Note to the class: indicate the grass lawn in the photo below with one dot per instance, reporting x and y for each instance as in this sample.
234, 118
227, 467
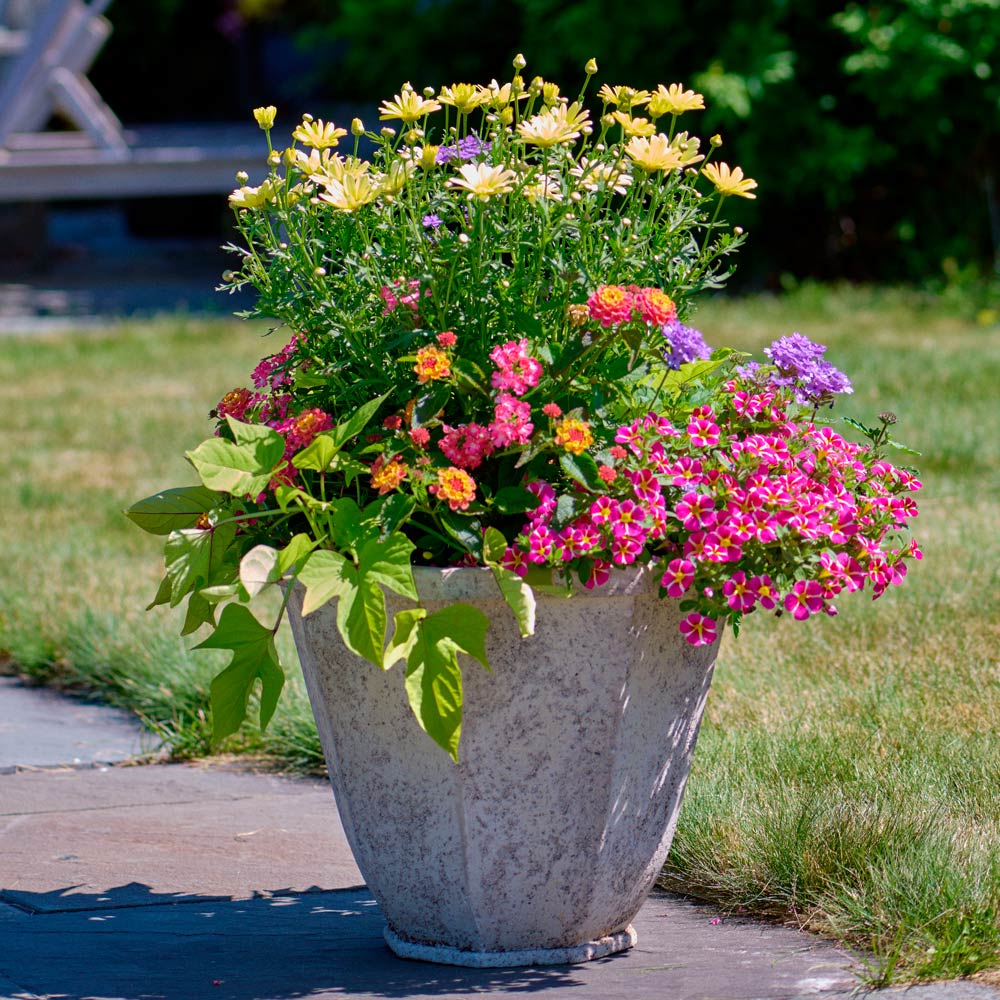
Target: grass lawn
848, 773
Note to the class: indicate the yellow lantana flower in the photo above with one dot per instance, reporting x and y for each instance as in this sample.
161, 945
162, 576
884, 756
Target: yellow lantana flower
654, 154
674, 100
728, 181
484, 180
634, 126
407, 105
625, 98
464, 97
554, 126
319, 134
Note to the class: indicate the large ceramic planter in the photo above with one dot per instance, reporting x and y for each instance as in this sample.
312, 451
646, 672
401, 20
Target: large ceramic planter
543, 842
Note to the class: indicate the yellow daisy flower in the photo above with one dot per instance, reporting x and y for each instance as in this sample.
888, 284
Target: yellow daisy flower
674, 100
728, 181
501, 97
464, 97
554, 126
252, 197
653, 154
407, 105
484, 180
353, 192
593, 175
625, 98
395, 180
634, 126
265, 116
687, 146
543, 188
319, 134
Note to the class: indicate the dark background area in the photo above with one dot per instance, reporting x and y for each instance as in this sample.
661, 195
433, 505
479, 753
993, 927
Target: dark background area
872, 129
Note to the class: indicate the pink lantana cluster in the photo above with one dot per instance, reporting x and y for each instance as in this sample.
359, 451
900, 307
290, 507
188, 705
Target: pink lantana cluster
401, 295
744, 507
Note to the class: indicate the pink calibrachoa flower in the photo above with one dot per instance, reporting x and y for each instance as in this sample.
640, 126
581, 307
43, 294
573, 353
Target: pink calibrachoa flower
764, 591
513, 559
517, 371
625, 548
583, 536
684, 471
704, 432
546, 501
610, 305
699, 630
466, 445
654, 306
738, 592
626, 518
805, 599
678, 577
632, 436
645, 485
511, 423
603, 510
456, 486
696, 510
541, 542
600, 573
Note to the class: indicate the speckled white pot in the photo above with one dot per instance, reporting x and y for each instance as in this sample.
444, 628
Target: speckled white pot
543, 842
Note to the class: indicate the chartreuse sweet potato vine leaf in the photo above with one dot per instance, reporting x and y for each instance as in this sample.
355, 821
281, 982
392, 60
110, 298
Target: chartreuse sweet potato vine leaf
254, 658
195, 558
516, 591
263, 565
243, 467
361, 614
430, 645
172, 510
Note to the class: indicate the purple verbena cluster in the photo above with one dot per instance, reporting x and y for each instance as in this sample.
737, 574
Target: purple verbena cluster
801, 365
684, 344
466, 149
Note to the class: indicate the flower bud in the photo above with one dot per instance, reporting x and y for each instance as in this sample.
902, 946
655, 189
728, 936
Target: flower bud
265, 116
274, 158
242, 177
357, 127
388, 133
307, 118
519, 62
506, 116
591, 68
290, 156
228, 275
320, 272
716, 141
429, 92
550, 93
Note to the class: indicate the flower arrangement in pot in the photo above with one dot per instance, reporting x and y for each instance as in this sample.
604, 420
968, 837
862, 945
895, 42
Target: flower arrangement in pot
492, 437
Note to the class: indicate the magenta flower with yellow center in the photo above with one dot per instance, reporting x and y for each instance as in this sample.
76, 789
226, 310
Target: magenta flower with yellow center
728, 181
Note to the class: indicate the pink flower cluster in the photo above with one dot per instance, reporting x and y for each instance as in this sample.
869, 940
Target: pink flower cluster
467, 445
272, 372
744, 508
401, 295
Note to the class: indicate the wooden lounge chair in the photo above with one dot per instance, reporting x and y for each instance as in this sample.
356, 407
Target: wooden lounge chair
48, 77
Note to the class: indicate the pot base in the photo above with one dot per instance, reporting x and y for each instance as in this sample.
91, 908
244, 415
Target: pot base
445, 955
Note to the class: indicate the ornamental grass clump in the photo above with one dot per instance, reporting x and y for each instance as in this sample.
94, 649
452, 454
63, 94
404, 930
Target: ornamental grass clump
489, 364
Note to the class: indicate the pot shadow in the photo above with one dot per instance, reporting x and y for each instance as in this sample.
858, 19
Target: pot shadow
132, 943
